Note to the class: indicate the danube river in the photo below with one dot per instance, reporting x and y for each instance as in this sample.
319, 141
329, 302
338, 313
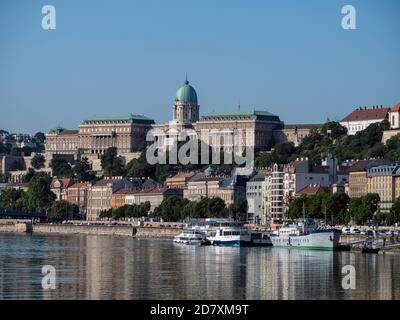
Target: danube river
101, 267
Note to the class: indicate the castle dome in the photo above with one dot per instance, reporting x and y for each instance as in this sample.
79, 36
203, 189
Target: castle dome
186, 94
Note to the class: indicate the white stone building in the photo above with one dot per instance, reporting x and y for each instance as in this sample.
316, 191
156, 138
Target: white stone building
361, 118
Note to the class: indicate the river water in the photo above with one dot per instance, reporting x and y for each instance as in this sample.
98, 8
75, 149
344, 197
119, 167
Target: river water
101, 267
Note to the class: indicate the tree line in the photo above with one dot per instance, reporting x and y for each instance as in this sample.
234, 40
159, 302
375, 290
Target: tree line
332, 139
338, 208
175, 209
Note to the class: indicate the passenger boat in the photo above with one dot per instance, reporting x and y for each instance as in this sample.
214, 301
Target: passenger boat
306, 235
260, 240
191, 237
227, 232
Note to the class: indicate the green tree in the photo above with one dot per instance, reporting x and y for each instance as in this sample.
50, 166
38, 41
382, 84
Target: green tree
61, 168
39, 138
295, 210
394, 216
38, 161
333, 129
239, 209
111, 164
39, 197
363, 209
105, 214
63, 210
9, 198
171, 209
82, 170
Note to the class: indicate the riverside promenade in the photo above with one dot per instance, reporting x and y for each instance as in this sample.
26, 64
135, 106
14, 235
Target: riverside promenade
26, 226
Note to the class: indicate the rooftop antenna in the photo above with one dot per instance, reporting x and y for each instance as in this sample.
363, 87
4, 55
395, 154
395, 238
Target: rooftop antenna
239, 105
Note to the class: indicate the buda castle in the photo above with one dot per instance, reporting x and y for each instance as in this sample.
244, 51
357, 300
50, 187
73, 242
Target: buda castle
260, 129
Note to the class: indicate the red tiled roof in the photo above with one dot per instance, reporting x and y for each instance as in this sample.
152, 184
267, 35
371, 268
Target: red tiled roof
367, 114
396, 108
311, 189
65, 183
182, 175
126, 191
78, 185
104, 182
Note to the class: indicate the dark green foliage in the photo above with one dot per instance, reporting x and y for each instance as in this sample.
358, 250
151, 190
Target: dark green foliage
332, 140
333, 207
238, 210
63, 210
105, 214
282, 153
132, 211
82, 170
38, 197
38, 161
61, 168
394, 215
111, 163
9, 198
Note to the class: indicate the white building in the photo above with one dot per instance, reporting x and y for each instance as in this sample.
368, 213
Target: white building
361, 118
394, 117
272, 192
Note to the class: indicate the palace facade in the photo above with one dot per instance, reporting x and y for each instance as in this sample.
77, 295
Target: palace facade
258, 129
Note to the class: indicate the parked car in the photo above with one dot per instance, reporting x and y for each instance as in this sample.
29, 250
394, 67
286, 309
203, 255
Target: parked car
354, 230
346, 230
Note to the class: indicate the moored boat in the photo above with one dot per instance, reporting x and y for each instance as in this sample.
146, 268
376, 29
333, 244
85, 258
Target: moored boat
261, 240
306, 235
227, 232
191, 237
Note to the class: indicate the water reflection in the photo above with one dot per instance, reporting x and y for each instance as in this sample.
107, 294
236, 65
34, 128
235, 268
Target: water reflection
98, 267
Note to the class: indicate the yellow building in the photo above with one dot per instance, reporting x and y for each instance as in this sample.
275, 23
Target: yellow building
383, 180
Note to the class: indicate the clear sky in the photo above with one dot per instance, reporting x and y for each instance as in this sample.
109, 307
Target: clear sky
290, 57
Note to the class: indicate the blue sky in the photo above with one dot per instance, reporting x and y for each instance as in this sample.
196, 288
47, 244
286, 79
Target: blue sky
289, 57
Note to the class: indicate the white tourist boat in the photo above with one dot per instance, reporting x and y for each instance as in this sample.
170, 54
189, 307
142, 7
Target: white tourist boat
191, 237
261, 240
306, 235
226, 232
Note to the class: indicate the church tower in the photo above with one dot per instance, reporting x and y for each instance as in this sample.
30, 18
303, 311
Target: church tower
186, 108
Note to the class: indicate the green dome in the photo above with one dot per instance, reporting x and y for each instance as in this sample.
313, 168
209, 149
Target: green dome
186, 94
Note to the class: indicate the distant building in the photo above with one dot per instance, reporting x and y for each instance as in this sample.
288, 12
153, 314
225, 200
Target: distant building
394, 119
358, 180
297, 132
385, 181
311, 190
257, 128
154, 196
77, 194
254, 195
100, 195
60, 188
179, 180
61, 141
303, 172
361, 118
273, 196
97, 134
211, 184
